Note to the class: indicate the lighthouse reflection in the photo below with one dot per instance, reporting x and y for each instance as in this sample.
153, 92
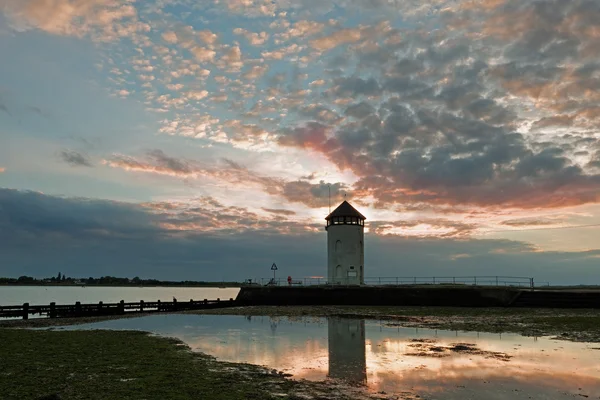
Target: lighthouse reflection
347, 359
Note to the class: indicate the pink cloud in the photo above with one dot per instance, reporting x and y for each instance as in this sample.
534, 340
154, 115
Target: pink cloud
103, 19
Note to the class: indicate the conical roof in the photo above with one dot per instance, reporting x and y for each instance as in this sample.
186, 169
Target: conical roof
345, 210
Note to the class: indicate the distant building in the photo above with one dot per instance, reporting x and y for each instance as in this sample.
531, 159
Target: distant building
345, 246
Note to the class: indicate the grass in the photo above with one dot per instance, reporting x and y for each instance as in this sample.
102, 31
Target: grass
120, 365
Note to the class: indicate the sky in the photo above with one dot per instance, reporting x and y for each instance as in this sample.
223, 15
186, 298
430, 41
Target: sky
181, 139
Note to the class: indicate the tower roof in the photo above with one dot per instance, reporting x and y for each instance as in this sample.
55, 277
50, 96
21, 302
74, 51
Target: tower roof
345, 210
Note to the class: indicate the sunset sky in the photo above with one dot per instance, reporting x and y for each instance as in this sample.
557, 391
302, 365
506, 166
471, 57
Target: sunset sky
184, 139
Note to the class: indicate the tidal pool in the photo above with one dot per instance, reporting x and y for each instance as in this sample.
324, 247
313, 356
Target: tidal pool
432, 363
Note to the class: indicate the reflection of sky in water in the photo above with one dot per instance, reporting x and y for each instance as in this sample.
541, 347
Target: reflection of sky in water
314, 348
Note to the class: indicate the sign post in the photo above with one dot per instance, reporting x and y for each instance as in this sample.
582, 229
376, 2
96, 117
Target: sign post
274, 268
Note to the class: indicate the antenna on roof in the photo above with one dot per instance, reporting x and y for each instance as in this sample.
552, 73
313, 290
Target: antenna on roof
329, 185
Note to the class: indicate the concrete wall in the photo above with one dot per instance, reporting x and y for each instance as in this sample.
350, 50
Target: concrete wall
345, 254
378, 295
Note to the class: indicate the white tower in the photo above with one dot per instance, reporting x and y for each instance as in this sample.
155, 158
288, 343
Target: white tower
345, 246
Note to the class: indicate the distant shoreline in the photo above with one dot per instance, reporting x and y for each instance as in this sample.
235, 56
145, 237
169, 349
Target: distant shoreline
228, 285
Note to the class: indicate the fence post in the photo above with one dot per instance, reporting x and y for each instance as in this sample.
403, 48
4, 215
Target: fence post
25, 310
531, 282
380, 280
218, 299
496, 281
99, 307
174, 304
231, 300
454, 280
78, 308
205, 301
158, 306
122, 307
475, 280
53, 310
434, 280
141, 305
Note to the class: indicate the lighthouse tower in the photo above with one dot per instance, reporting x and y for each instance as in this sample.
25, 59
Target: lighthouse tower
345, 246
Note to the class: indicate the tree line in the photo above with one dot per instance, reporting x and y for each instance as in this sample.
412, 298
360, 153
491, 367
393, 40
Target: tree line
62, 279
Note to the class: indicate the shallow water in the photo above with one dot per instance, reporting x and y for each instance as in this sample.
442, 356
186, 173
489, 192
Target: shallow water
41, 295
390, 359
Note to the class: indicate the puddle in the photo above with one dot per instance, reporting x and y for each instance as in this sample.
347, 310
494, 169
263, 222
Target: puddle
432, 363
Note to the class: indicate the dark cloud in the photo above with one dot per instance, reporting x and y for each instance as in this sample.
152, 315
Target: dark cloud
353, 86
360, 110
279, 211
75, 159
525, 222
169, 163
440, 120
313, 195
41, 234
5, 109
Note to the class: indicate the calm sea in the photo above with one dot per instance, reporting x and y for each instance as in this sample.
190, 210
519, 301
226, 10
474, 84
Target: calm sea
34, 295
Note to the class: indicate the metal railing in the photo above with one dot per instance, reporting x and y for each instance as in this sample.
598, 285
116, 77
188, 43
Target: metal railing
517, 281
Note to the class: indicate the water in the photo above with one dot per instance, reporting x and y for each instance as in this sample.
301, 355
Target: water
390, 359
40, 295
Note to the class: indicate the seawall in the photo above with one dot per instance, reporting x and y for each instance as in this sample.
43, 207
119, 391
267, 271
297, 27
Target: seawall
377, 296
448, 296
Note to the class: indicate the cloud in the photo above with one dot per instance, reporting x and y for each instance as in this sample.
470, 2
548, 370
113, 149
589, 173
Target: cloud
158, 163
434, 124
205, 240
5, 109
104, 20
255, 39
75, 158
449, 107
169, 37
279, 211
255, 72
423, 228
298, 191
337, 38
530, 222
310, 194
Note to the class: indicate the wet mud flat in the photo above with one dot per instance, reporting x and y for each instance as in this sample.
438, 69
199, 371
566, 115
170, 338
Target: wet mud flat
135, 365
390, 354
371, 357
430, 348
